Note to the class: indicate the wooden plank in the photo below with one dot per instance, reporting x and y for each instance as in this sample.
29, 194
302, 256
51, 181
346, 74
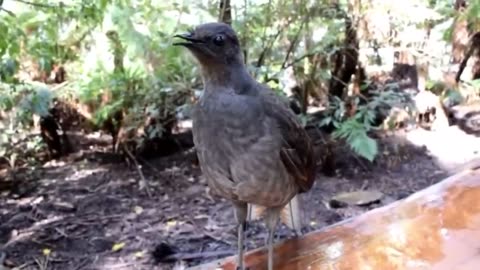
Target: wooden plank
436, 228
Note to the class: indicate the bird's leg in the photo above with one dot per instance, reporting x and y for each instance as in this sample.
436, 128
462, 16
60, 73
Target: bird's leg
241, 237
241, 217
271, 220
271, 234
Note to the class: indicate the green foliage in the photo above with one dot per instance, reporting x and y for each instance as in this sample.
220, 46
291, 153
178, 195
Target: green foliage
154, 72
475, 84
473, 11
119, 57
355, 133
20, 103
355, 129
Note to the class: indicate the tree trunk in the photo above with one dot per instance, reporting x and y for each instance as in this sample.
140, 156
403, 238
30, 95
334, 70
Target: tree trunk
473, 49
225, 12
405, 71
54, 134
460, 32
345, 60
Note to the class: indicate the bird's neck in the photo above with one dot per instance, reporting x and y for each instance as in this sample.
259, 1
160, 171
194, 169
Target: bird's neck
233, 76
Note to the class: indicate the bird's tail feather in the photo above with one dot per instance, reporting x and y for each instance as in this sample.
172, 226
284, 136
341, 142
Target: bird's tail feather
291, 215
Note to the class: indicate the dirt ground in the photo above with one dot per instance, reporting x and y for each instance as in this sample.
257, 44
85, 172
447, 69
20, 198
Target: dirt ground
89, 211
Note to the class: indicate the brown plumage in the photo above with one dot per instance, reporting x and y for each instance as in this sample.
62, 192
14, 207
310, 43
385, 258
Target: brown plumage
251, 147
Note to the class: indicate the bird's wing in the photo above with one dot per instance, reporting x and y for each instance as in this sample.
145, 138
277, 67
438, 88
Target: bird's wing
297, 150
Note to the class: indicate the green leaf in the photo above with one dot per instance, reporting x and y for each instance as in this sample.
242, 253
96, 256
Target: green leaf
475, 83
325, 121
365, 146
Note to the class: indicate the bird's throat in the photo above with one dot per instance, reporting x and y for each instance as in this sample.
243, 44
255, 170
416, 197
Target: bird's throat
233, 77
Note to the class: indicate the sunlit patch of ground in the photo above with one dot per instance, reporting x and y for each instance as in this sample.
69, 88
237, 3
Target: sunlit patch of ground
450, 146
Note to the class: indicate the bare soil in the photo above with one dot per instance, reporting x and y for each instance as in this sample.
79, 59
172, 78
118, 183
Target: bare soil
89, 211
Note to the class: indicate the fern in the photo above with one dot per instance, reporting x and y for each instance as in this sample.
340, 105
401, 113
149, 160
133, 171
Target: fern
356, 128
355, 134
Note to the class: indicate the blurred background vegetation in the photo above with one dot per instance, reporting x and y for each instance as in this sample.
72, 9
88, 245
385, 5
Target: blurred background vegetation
75, 68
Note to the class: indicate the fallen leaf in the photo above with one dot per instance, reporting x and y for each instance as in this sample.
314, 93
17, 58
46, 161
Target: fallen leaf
139, 254
185, 229
171, 223
46, 252
63, 206
138, 210
117, 246
363, 197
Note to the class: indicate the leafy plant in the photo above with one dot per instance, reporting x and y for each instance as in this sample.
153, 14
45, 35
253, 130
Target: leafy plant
20, 103
158, 81
355, 129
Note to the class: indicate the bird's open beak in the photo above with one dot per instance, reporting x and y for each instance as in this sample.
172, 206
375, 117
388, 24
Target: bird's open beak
187, 37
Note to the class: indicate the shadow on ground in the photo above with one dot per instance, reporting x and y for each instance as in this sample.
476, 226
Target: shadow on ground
470, 123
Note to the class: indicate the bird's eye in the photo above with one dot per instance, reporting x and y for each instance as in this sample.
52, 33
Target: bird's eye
219, 40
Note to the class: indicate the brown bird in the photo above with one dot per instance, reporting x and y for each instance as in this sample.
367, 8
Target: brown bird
251, 147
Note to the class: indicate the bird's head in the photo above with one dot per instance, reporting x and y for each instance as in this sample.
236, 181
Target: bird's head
213, 44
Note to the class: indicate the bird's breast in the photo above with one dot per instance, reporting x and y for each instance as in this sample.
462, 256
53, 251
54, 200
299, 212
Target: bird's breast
228, 121
238, 149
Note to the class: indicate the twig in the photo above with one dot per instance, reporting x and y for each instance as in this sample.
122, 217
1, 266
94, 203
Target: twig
60, 86
143, 181
144, 161
27, 232
264, 37
463, 64
245, 33
293, 43
25, 265
82, 264
301, 58
36, 4
218, 239
206, 233
94, 219
199, 255
261, 59
292, 63
42, 264
123, 265
61, 232
8, 11
3, 256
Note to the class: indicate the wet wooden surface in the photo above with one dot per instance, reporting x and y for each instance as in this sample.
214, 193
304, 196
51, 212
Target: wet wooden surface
436, 228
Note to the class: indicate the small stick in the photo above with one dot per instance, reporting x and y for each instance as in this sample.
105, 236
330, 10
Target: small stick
199, 255
143, 181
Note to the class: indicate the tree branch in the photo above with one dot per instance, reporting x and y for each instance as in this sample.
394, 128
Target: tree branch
264, 38
473, 45
261, 58
35, 4
292, 63
293, 43
8, 11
